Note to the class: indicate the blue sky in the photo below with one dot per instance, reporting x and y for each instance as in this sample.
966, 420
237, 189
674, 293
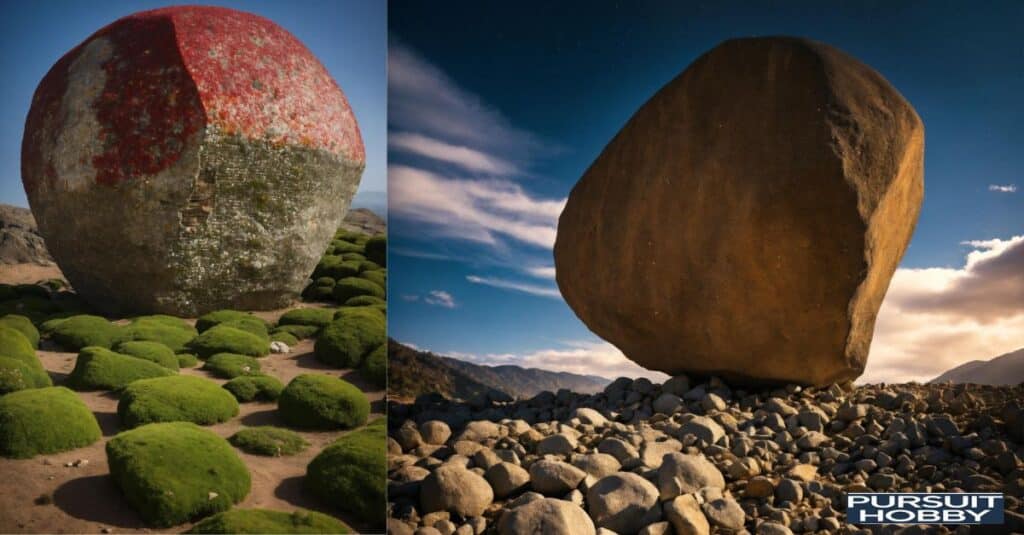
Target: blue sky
496, 110
349, 37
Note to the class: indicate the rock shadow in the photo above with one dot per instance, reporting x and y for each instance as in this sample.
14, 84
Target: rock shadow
291, 490
110, 423
308, 360
96, 499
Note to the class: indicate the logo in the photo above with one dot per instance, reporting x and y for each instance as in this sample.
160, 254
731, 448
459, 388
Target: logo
924, 508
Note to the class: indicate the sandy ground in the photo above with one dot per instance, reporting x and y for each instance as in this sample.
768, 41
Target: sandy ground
42, 495
28, 273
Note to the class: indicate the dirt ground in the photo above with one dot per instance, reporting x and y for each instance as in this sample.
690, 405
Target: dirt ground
43, 495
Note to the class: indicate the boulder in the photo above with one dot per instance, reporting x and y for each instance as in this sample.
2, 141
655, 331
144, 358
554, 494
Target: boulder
205, 149
623, 502
681, 473
747, 218
546, 515
457, 490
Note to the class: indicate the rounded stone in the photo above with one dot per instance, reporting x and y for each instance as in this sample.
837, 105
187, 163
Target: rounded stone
681, 474
623, 502
507, 479
546, 515
205, 149
770, 190
456, 490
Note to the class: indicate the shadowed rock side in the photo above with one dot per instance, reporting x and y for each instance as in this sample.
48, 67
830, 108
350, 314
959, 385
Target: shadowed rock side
1005, 369
20, 242
747, 219
412, 373
699, 458
174, 167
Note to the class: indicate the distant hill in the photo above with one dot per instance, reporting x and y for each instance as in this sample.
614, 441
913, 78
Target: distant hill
412, 372
1005, 369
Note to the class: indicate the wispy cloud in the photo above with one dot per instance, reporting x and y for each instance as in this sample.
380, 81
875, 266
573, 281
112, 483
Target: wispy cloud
1007, 188
440, 298
532, 289
473, 210
461, 156
410, 297
933, 319
583, 357
541, 272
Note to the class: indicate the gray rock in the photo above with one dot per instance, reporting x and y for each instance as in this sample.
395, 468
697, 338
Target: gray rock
455, 489
623, 502
618, 448
590, 416
667, 403
479, 431
681, 474
652, 453
546, 516
554, 478
678, 385
597, 465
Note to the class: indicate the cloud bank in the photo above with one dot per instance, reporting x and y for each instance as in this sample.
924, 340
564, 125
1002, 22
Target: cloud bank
581, 357
1008, 188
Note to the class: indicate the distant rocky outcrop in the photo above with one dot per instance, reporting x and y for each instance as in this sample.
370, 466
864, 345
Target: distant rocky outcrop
365, 221
20, 242
1005, 369
747, 219
412, 373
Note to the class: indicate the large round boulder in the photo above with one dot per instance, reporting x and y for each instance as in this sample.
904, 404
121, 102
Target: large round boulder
747, 219
204, 156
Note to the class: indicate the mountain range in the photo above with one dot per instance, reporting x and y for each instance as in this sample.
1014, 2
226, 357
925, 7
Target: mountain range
1005, 369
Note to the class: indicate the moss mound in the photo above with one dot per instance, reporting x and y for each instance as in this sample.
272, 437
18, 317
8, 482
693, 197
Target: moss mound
377, 250
212, 319
187, 360
84, 330
316, 317
268, 440
316, 401
336, 267
299, 331
266, 521
350, 287
44, 420
151, 351
378, 277
181, 398
176, 471
23, 325
364, 301
284, 336
98, 368
342, 246
349, 339
225, 339
351, 474
252, 325
230, 365
320, 290
17, 375
375, 367
13, 344
255, 387
170, 331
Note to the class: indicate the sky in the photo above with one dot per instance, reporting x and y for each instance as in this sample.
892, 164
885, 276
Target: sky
495, 111
348, 36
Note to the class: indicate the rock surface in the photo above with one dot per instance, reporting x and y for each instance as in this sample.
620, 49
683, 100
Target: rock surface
760, 476
748, 218
187, 159
20, 242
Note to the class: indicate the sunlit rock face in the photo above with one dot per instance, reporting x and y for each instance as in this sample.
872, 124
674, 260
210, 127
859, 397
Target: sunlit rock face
189, 158
747, 219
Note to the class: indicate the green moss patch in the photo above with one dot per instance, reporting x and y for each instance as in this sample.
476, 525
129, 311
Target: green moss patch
13, 344
299, 331
18, 375
229, 365
364, 301
170, 331
98, 368
225, 339
176, 471
375, 367
212, 319
181, 398
350, 287
284, 336
255, 387
349, 339
268, 440
252, 325
315, 401
151, 351
316, 317
377, 250
336, 267
23, 325
84, 330
378, 277
351, 474
246, 521
187, 360
44, 420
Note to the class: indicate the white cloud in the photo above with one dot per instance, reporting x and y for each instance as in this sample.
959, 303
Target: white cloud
440, 298
532, 289
542, 272
464, 157
473, 210
1008, 188
934, 319
581, 357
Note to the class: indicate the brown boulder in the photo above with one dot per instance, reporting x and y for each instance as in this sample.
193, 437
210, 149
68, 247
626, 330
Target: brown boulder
747, 219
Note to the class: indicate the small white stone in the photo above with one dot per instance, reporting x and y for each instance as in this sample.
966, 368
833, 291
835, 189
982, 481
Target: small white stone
279, 347
212, 495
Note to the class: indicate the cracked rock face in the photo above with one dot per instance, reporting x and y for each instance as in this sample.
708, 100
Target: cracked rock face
747, 219
191, 158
